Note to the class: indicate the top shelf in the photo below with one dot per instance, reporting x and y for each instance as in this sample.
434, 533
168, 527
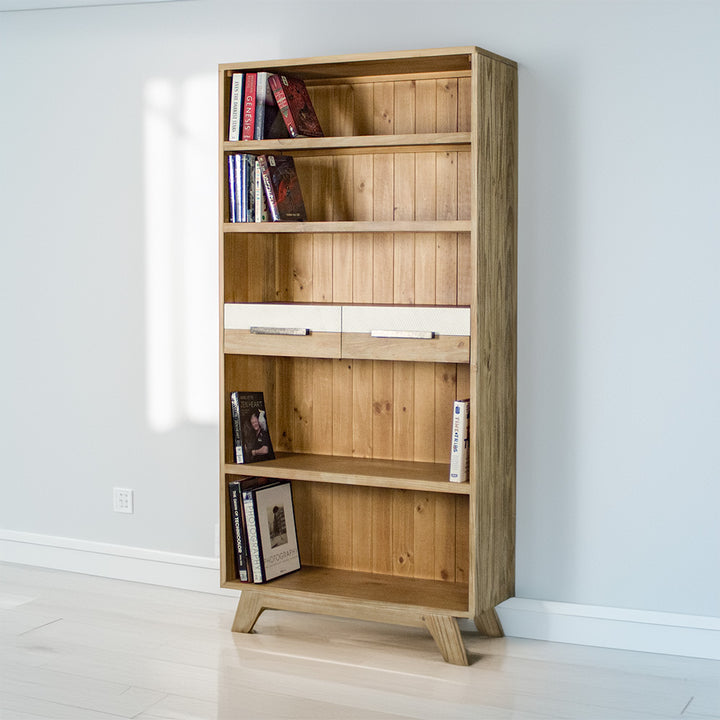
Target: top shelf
415, 142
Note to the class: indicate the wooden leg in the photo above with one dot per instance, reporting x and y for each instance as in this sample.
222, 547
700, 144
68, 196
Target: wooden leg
488, 623
446, 633
248, 611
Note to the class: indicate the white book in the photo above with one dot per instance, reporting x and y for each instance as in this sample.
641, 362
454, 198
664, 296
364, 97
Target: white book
235, 120
460, 446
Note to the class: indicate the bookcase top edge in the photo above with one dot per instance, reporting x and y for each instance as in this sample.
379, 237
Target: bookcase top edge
371, 63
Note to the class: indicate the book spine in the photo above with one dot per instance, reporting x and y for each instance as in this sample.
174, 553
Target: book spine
269, 192
249, 95
460, 449
237, 427
261, 88
253, 536
261, 208
250, 187
281, 99
238, 531
242, 188
232, 188
236, 93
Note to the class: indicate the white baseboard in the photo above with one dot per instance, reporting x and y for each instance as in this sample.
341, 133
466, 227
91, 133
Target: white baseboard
640, 630
155, 567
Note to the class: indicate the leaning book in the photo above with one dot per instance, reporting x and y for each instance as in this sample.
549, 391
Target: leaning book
251, 433
272, 536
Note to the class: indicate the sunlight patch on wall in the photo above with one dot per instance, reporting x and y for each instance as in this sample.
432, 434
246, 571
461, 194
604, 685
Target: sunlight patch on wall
181, 251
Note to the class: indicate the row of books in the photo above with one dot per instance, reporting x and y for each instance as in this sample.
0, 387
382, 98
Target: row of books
264, 533
264, 188
268, 105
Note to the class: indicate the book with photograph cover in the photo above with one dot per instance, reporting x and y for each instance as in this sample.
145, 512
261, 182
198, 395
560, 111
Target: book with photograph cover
251, 434
282, 188
295, 105
460, 444
272, 535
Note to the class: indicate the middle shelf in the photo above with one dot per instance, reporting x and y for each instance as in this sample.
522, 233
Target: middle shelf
368, 472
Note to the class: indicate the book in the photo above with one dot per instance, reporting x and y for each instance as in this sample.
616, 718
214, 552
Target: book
232, 190
251, 435
460, 445
236, 94
248, 120
295, 105
282, 188
269, 123
262, 213
242, 558
272, 535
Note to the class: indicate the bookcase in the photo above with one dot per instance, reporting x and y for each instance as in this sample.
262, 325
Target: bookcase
411, 199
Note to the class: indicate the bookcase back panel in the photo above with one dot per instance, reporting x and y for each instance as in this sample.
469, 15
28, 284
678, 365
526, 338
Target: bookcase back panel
378, 106
380, 268
389, 532
353, 408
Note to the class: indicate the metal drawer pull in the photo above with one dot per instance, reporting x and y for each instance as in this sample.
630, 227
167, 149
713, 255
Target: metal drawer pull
404, 334
279, 331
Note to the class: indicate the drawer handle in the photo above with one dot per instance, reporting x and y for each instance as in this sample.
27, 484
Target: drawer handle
279, 331
403, 334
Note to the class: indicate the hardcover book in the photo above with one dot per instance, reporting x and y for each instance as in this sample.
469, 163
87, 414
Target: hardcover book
295, 105
269, 123
236, 104
251, 435
282, 188
460, 447
240, 544
248, 122
272, 536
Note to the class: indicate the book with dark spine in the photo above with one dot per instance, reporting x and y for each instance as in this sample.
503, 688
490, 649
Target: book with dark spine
251, 435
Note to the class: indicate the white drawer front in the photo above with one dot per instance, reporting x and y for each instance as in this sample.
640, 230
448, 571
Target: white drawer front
377, 319
269, 316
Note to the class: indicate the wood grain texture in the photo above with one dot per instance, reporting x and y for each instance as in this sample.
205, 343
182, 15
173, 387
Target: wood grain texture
411, 200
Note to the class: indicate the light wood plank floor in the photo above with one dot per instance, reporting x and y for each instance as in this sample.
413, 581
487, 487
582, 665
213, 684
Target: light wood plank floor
76, 647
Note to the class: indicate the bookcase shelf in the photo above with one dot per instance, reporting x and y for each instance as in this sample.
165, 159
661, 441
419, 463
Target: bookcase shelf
411, 202
378, 594
368, 226
367, 472
350, 145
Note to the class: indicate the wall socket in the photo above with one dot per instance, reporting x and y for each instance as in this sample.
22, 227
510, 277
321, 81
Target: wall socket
123, 500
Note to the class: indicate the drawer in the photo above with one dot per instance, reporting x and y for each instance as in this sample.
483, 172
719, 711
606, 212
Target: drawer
283, 330
429, 334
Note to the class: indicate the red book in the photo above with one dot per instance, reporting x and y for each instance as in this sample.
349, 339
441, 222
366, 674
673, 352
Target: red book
248, 123
282, 188
295, 106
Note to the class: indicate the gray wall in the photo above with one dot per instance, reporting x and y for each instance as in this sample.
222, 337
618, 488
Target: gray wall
109, 283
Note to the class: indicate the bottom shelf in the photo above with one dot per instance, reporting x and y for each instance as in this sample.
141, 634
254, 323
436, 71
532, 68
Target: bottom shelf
332, 586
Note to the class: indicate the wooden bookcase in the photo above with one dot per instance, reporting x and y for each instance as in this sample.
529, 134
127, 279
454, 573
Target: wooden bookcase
411, 201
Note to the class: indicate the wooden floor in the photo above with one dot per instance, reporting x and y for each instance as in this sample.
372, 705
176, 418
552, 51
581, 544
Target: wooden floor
74, 646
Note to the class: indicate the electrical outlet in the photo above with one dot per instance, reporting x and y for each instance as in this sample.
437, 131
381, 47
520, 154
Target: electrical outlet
123, 500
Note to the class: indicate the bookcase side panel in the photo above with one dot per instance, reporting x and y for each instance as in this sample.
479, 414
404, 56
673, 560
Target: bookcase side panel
493, 360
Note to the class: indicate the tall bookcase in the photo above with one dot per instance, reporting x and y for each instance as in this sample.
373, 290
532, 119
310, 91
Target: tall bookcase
411, 201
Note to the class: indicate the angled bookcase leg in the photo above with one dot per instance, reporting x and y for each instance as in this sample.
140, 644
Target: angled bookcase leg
488, 624
446, 634
248, 611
